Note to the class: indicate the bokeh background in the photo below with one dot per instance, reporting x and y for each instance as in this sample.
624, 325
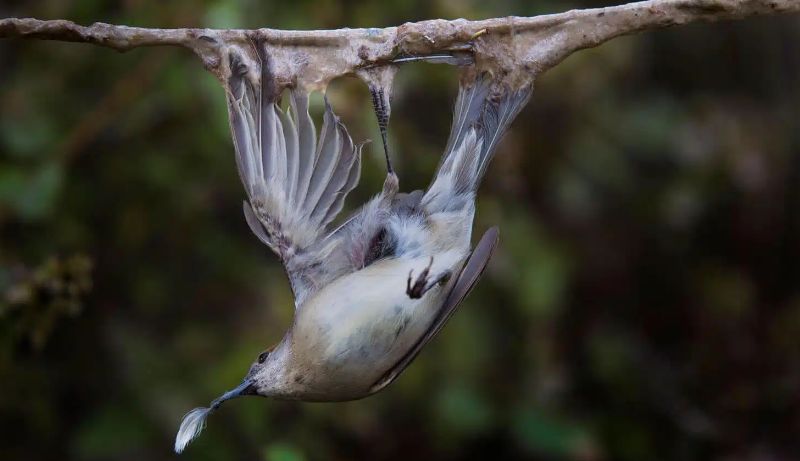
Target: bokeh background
643, 303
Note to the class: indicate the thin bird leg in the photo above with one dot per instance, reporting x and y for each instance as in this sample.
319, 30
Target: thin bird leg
382, 111
422, 284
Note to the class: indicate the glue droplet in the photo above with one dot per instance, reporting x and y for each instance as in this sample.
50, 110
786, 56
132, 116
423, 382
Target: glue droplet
191, 426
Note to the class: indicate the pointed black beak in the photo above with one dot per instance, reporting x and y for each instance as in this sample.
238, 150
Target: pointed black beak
246, 388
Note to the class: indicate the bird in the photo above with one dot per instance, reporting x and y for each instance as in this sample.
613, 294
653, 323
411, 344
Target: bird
371, 292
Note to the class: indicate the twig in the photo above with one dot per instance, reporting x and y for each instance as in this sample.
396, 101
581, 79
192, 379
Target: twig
518, 46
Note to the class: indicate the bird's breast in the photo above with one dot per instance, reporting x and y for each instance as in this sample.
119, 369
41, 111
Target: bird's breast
352, 331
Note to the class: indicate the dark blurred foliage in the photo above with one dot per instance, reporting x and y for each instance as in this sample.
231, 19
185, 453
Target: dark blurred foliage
643, 303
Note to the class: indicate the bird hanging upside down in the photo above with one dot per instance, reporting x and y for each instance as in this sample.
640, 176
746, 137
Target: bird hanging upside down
370, 294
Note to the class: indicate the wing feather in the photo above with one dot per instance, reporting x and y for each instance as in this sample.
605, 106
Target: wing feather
307, 143
292, 152
295, 184
351, 182
328, 154
465, 282
337, 179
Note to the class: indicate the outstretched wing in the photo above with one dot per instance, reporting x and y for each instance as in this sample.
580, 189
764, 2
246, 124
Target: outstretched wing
296, 184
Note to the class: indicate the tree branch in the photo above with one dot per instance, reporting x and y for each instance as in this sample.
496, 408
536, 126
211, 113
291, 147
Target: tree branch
518, 47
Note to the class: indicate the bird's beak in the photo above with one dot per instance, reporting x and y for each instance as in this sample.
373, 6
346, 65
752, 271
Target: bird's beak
246, 388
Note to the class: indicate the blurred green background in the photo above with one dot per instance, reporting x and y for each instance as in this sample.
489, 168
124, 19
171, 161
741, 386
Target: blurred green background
643, 304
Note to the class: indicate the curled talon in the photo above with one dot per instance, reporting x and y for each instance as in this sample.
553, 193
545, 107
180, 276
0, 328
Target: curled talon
428, 268
421, 284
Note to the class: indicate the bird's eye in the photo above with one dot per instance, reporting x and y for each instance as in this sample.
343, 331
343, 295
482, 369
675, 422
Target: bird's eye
262, 356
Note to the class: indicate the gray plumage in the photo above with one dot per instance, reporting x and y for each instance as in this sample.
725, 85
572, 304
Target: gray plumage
371, 293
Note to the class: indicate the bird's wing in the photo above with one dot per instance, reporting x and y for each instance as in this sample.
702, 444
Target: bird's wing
295, 183
463, 285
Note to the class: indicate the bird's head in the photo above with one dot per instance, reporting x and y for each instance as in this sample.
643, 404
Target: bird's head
266, 371
261, 379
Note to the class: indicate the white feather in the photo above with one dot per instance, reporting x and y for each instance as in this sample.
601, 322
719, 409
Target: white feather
191, 426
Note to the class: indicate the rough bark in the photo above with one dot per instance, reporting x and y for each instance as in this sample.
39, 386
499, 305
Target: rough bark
514, 49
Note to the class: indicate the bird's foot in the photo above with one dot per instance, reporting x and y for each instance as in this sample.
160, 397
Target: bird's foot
423, 284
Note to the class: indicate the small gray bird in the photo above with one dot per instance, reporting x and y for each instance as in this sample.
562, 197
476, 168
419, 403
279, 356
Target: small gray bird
372, 292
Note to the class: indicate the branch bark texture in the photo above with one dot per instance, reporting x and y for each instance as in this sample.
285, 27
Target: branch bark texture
515, 49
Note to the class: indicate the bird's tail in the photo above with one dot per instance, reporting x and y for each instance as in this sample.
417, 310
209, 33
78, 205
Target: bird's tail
483, 111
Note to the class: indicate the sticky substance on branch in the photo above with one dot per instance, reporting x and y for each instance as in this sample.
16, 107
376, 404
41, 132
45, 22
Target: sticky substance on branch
515, 49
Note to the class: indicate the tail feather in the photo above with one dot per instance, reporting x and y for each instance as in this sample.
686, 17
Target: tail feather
483, 112
468, 109
497, 117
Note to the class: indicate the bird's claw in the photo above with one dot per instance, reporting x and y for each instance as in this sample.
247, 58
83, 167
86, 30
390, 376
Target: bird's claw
422, 285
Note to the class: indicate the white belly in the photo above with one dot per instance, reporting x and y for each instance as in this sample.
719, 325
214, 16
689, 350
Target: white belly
352, 331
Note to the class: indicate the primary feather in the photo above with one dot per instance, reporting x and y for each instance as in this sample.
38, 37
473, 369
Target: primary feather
295, 186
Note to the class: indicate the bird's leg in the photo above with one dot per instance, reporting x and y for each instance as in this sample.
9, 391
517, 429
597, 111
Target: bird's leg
379, 81
380, 103
423, 284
